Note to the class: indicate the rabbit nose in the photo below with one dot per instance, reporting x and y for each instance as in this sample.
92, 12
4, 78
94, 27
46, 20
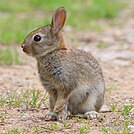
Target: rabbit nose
22, 45
24, 48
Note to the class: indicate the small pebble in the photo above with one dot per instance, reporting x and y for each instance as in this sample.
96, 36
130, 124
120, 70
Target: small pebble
131, 127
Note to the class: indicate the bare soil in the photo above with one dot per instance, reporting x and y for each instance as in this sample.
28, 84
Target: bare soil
117, 62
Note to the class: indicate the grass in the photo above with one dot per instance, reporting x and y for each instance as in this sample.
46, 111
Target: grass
38, 130
33, 98
126, 110
113, 107
3, 116
19, 18
13, 131
29, 98
101, 45
84, 129
54, 126
9, 56
126, 117
24, 99
124, 129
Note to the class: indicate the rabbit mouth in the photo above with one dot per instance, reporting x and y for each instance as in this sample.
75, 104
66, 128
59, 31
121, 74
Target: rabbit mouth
28, 53
26, 50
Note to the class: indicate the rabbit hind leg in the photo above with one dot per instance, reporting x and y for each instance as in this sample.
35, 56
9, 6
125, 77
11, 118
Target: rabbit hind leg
80, 104
92, 106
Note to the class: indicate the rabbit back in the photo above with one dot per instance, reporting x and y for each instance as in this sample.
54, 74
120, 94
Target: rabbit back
68, 69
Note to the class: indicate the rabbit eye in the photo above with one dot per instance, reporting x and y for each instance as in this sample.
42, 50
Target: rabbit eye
37, 38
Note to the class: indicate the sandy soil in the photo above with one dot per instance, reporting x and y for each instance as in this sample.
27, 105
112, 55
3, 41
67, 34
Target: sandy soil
117, 61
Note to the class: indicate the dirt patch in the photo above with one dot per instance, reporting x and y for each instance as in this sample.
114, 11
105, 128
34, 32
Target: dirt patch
114, 49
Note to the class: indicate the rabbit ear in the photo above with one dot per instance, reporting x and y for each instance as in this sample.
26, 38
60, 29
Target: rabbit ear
58, 19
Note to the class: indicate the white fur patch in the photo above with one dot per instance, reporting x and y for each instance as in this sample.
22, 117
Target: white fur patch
78, 103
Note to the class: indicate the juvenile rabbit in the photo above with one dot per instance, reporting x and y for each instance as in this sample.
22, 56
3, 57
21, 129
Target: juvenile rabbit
72, 78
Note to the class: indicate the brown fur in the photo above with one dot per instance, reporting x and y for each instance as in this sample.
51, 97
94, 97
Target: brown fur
72, 78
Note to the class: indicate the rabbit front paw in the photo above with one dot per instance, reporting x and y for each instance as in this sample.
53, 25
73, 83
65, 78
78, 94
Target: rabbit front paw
91, 115
51, 116
62, 116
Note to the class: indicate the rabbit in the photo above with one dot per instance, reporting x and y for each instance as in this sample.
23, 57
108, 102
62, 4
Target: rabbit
72, 78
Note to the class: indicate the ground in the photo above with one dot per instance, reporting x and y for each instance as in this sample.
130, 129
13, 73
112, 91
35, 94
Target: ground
23, 101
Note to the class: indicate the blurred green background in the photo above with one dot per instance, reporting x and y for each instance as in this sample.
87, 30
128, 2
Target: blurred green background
19, 17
